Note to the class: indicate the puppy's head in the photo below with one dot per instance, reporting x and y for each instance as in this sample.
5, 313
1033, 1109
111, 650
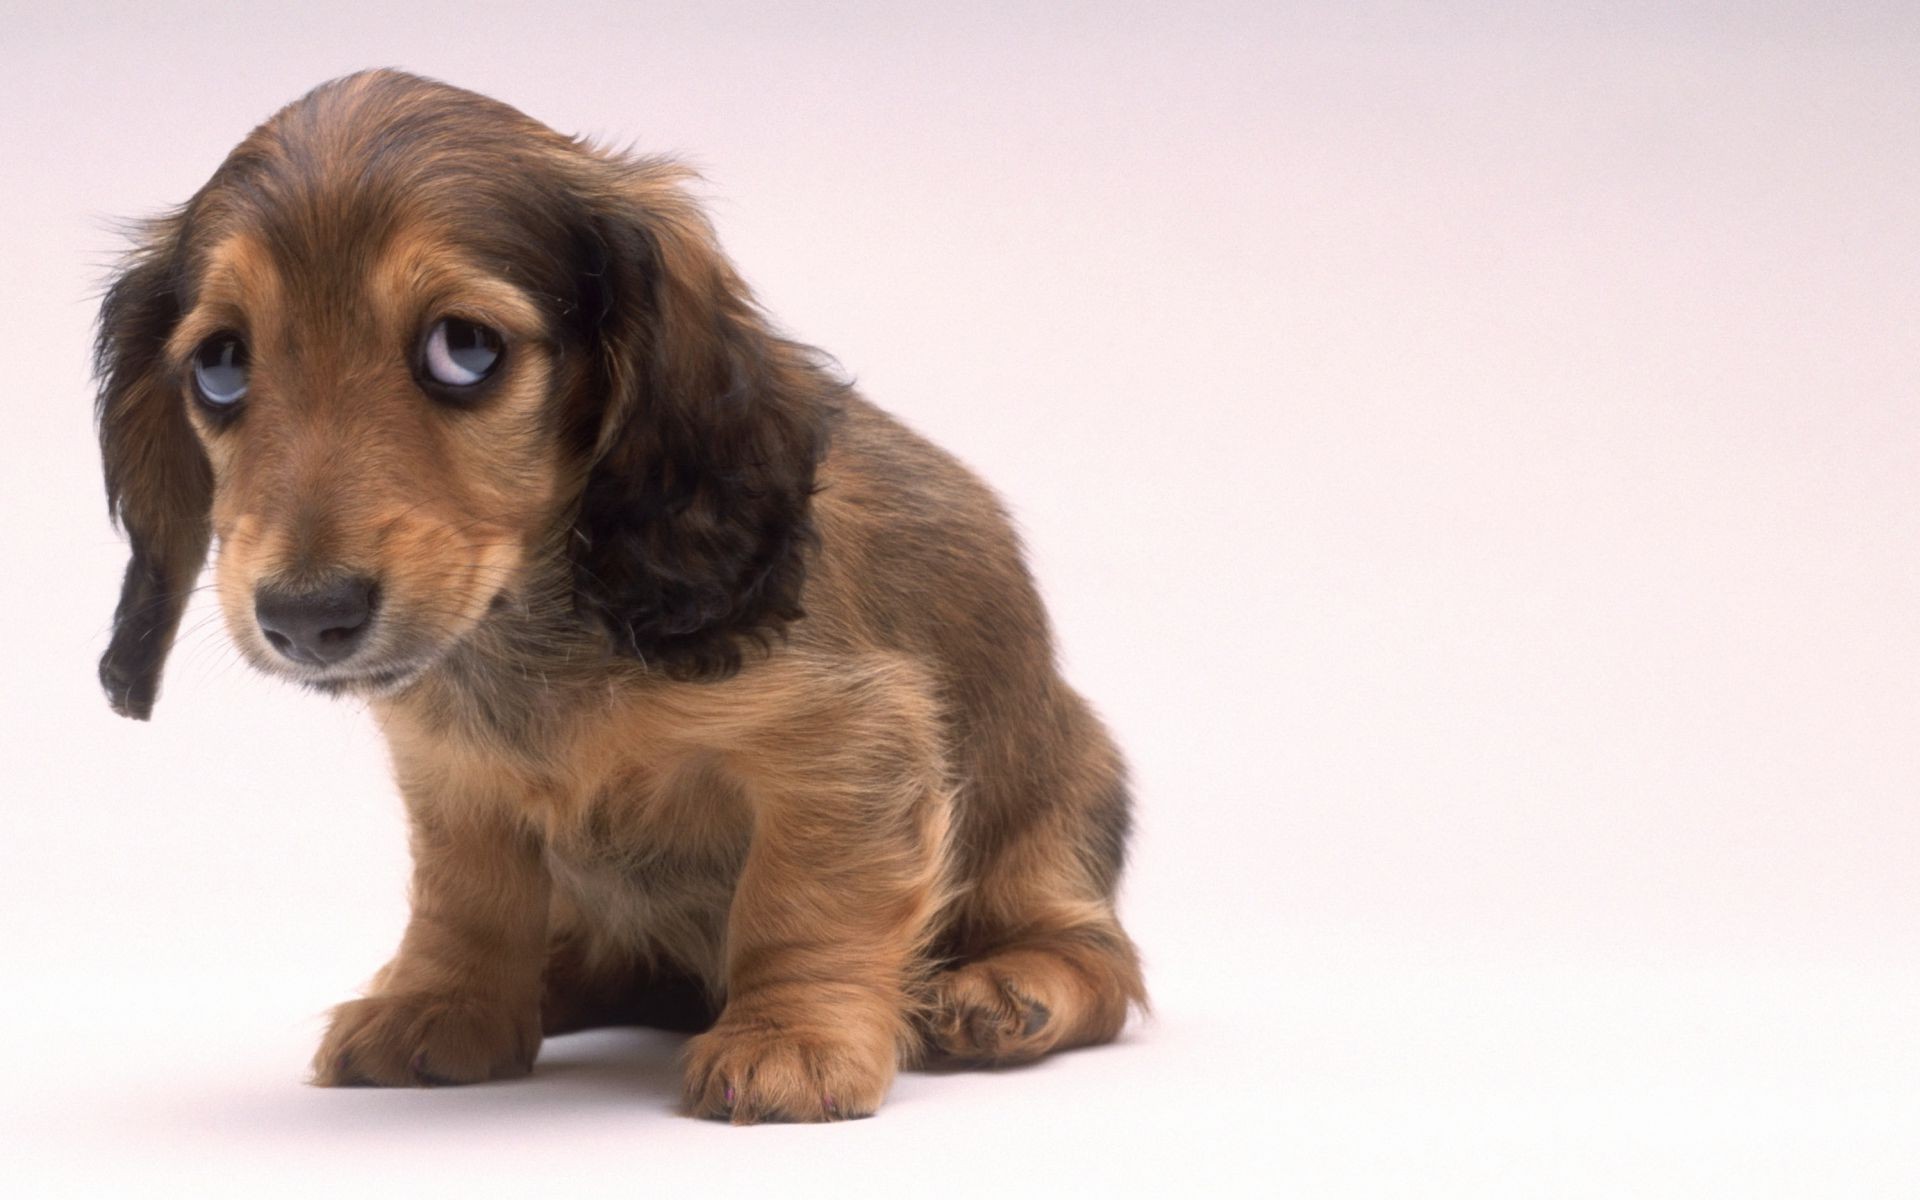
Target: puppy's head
409, 353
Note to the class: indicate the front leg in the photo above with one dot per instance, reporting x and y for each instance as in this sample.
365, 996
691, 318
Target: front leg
460, 1002
829, 921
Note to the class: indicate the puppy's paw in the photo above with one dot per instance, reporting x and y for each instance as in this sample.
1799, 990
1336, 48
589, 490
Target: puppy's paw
425, 1041
981, 1015
748, 1070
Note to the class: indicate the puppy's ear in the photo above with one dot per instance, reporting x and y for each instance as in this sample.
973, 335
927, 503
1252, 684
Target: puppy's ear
159, 486
694, 523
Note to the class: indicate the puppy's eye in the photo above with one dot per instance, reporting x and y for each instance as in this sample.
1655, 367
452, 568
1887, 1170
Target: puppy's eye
462, 353
220, 371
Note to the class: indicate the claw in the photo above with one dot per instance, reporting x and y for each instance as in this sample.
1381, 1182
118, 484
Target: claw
423, 1076
1038, 1015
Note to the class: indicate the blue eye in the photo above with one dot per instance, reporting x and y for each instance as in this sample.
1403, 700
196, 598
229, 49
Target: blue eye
220, 371
462, 353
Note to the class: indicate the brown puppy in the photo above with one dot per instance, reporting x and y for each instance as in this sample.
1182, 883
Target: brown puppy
719, 699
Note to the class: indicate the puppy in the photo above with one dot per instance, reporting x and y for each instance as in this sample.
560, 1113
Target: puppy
719, 700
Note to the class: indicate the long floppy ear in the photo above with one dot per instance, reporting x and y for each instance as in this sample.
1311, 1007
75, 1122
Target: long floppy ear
159, 486
695, 520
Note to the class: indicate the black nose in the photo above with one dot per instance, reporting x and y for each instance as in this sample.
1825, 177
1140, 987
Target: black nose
319, 625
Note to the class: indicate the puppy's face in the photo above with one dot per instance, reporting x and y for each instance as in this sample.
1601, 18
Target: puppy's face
409, 353
378, 418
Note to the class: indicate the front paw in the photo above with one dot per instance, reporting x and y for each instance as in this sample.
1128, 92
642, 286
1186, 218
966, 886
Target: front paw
425, 1040
749, 1069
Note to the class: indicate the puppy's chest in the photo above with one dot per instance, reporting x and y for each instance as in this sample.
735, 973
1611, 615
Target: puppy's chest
647, 855
643, 832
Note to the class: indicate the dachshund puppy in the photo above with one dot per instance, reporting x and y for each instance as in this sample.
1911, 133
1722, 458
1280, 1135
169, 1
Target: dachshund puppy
719, 700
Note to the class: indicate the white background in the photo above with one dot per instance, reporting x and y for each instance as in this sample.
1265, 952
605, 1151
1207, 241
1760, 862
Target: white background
1472, 461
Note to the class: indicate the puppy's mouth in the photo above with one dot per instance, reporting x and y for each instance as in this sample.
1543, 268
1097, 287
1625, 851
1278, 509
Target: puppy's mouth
376, 681
386, 668
369, 650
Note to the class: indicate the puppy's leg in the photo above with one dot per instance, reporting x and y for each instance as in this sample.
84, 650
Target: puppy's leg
1043, 963
831, 915
460, 1002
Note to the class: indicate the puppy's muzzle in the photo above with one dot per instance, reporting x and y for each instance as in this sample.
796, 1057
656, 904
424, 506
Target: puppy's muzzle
317, 626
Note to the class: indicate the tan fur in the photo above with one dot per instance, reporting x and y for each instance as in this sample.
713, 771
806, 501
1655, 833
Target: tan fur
894, 833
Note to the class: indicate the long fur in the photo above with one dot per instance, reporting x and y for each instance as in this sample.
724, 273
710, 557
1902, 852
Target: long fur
718, 699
